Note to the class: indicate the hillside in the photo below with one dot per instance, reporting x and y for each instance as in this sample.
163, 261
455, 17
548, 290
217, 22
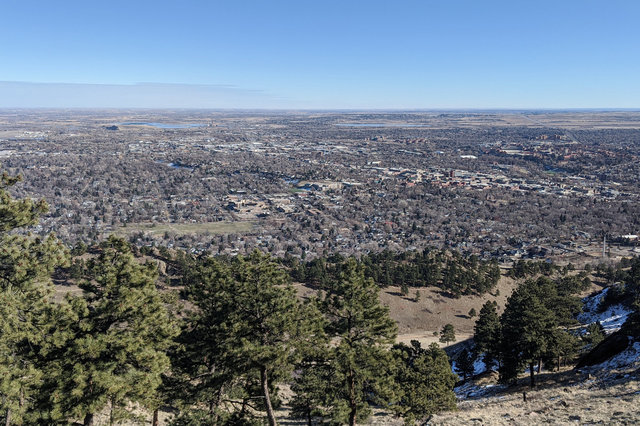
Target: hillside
419, 320
600, 392
604, 393
608, 393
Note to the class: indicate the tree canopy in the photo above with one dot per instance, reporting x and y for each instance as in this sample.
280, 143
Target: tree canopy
122, 331
26, 265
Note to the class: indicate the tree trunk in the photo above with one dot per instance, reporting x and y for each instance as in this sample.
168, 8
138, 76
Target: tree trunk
309, 417
267, 399
213, 405
111, 413
558, 362
532, 375
7, 421
352, 399
88, 419
539, 366
154, 421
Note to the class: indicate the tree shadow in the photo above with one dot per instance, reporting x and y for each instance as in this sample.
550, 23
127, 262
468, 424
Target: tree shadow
446, 294
174, 282
61, 277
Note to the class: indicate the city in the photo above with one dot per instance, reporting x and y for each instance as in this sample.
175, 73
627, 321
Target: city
496, 184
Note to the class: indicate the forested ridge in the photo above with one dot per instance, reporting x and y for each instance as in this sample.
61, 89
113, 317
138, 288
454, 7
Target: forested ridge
446, 269
126, 345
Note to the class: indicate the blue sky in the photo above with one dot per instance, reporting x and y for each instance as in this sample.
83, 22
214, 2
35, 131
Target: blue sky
320, 54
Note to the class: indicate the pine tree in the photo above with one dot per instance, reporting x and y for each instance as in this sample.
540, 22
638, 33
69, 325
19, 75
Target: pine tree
563, 345
202, 370
425, 381
247, 326
310, 388
361, 325
487, 333
531, 323
314, 373
447, 334
264, 322
26, 265
527, 328
118, 350
595, 334
404, 289
631, 326
465, 364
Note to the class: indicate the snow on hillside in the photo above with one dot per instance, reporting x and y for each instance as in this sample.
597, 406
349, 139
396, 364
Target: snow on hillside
478, 366
471, 390
625, 359
611, 319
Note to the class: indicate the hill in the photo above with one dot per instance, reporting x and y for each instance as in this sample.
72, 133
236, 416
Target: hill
607, 393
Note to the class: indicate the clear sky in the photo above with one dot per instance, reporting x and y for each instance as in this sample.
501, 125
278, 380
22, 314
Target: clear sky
390, 54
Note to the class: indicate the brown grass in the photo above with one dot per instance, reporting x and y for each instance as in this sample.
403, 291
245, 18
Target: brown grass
567, 398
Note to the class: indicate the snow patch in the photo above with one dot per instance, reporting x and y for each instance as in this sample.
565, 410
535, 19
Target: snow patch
629, 358
478, 365
611, 319
471, 390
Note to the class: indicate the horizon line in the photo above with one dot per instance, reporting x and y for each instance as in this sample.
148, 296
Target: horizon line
429, 109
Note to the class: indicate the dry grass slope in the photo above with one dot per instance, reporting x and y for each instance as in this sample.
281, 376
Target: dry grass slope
571, 397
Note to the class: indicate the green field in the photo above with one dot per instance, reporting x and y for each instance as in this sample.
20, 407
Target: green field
214, 228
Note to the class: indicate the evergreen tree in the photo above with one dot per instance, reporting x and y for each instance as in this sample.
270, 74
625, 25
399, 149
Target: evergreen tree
447, 334
311, 388
563, 345
246, 329
533, 321
361, 366
264, 322
26, 265
311, 385
464, 364
632, 285
425, 381
117, 353
404, 289
594, 335
202, 370
487, 333
528, 327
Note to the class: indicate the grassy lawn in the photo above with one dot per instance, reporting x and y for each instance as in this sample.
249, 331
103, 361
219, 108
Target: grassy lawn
215, 228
